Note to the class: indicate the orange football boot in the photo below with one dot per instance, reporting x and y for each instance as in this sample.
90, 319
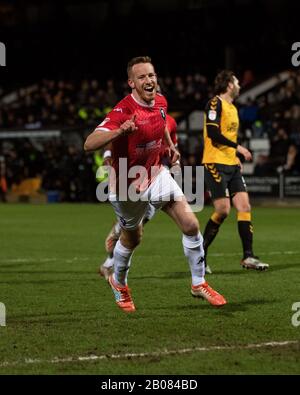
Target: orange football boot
206, 292
122, 296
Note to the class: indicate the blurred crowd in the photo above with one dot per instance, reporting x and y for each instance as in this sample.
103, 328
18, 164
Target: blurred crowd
62, 167
60, 103
275, 116
67, 104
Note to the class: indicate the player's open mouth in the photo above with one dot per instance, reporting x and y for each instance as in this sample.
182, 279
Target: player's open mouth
149, 89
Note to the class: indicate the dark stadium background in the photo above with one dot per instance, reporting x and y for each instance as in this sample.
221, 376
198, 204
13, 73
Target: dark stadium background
69, 57
96, 38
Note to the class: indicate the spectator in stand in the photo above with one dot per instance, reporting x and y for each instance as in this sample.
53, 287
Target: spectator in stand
292, 164
261, 167
248, 114
279, 149
247, 79
51, 103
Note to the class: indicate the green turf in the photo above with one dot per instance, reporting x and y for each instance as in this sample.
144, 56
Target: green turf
57, 306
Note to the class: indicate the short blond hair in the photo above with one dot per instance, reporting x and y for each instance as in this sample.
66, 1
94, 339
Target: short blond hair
137, 60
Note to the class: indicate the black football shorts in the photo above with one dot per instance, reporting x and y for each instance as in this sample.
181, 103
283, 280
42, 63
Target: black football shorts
223, 180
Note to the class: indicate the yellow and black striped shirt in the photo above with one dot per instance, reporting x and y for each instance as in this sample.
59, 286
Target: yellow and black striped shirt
223, 115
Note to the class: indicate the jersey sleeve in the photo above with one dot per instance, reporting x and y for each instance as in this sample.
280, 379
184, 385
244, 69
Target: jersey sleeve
113, 120
172, 127
213, 112
213, 118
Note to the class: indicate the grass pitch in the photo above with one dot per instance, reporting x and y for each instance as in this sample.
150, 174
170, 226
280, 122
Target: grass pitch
58, 309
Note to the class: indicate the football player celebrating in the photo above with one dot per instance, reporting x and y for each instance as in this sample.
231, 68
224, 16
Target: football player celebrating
106, 269
136, 128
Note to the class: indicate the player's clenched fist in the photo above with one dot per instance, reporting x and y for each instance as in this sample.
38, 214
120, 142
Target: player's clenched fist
128, 126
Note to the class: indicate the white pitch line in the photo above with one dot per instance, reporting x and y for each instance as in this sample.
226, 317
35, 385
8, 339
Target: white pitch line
69, 260
266, 253
161, 353
26, 260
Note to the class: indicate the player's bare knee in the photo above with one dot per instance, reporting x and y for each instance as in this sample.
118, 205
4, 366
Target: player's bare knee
191, 228
244, 208
131, 239
223, 212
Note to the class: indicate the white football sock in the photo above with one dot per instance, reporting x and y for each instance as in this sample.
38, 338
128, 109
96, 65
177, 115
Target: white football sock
117, 228
109, 262
193, 250
122, 262
128, 265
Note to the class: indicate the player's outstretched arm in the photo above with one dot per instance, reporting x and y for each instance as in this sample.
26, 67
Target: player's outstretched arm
98, 139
